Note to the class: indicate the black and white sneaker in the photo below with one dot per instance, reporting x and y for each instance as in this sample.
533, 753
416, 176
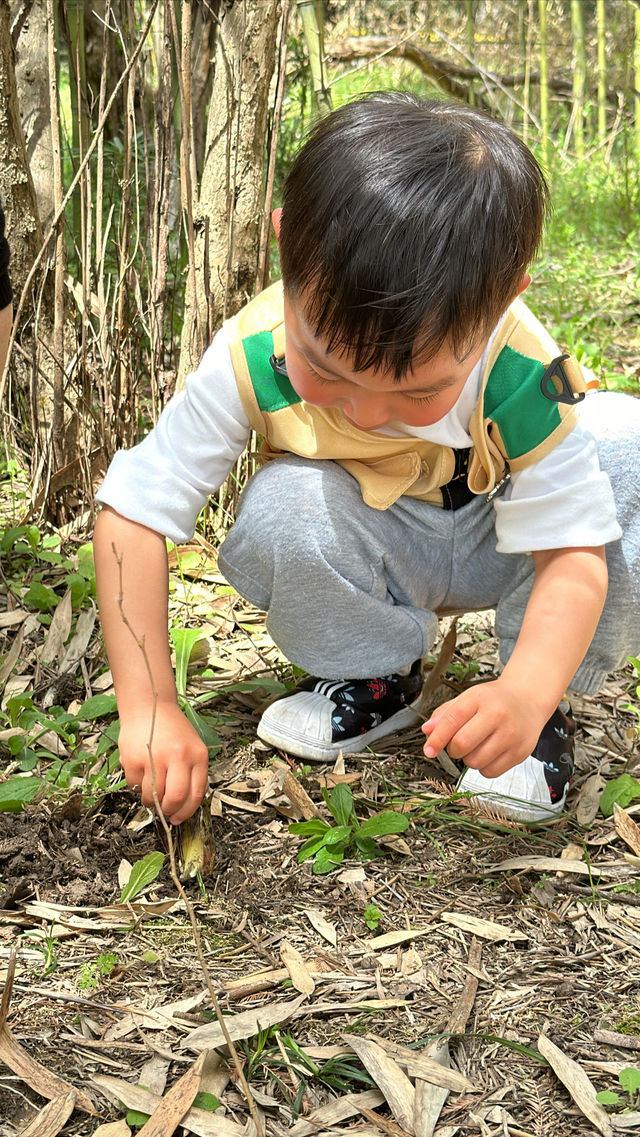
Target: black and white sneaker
324, 716
536, 790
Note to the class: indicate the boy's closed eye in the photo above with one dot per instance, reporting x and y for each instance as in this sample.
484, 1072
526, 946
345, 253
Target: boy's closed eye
419, 400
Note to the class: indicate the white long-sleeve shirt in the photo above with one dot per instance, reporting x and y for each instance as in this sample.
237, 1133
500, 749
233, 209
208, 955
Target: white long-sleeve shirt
564, 500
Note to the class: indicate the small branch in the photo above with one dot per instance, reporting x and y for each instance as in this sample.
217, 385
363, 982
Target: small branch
140, 644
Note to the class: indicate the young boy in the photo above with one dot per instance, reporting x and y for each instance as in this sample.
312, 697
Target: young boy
430, 449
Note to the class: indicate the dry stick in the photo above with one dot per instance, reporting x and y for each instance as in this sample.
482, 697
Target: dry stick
67, 197
8, 987
57, 424
139, 641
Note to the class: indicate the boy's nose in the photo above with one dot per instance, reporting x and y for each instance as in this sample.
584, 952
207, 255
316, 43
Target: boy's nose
368, 413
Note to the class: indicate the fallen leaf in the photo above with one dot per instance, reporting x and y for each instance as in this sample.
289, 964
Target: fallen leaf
245, 1025
175, 1103
52, 1118
577, 1083
198, 1121
112, 1129
349, 1105
626, 828
36, 1075
298, 971
389, 1078
589, 800
58, 632
486, 929
322, 926
545, 864
390, 939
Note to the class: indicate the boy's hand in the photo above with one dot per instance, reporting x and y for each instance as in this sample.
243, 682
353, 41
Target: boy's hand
180, 760
492, 727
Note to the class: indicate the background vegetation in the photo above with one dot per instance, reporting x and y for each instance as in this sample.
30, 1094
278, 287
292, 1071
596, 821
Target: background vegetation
144, 142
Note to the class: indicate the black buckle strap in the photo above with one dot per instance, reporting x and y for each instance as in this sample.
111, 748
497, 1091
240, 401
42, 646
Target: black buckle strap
456, 492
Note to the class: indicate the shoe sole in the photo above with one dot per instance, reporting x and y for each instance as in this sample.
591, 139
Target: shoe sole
300, 747
516, 809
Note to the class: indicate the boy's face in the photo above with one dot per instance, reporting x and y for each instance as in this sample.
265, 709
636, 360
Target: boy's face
372, 399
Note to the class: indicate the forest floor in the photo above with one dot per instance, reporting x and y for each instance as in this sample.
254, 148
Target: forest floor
510, 954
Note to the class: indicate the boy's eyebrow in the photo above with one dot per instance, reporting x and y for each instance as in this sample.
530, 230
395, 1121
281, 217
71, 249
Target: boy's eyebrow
439, 385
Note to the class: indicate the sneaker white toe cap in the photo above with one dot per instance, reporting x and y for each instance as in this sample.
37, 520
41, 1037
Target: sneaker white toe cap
521, 792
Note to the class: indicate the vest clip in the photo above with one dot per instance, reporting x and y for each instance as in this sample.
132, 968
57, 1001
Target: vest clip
279, 366
556, 371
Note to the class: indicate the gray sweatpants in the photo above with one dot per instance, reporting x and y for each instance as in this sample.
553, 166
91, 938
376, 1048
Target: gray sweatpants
351, 591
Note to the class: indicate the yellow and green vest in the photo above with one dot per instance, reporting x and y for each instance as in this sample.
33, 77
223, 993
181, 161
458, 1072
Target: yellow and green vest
516, 421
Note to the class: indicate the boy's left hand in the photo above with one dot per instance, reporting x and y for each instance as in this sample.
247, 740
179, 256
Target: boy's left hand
492, 727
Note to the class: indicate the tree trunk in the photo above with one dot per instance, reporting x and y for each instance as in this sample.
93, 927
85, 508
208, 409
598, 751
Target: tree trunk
544, 86
636, 80
229, 208
32, 78
579, 74
602, 72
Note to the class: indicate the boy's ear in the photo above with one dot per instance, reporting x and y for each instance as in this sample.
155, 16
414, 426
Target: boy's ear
524, 283
276, 217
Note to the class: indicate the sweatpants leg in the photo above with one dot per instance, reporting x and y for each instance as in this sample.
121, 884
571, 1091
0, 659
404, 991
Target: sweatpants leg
614, 421
350, 591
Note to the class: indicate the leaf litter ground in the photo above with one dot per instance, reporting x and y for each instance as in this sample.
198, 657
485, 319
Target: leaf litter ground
468, 941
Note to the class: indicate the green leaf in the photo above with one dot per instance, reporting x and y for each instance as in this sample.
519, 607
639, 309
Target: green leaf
209, 736
309, 848
41, 597
206, 1101
183, 640
306, 828
339, 835
16, 791
97, 707
384, 823
326, 860
629, 1079
341, 803
620, 791
136, 1119
367, 846
608, 1097
142, 874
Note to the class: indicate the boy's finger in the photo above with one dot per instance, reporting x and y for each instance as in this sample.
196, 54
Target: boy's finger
447, 726
177, 790
147, 787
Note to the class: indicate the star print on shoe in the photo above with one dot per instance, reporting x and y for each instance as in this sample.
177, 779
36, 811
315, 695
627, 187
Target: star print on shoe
536, 789
324, 716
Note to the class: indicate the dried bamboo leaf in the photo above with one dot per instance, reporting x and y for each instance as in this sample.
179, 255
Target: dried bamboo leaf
112, 1129
422, 1064
175, 1103
245, 1025
391, 939
430, 1097
58, 632
197, 1121
577, 1083
545, 864
349, 1105
52, 1118
627, 829
298, 971
486, 929
80, 641
389, 1078
589, 800
12, 656
36, 1075
322, 926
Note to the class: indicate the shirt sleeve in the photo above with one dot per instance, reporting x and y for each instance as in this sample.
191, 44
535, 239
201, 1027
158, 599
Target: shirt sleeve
166, 479
563, 501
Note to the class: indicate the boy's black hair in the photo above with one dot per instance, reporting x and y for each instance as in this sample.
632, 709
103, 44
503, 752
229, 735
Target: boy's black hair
408, 224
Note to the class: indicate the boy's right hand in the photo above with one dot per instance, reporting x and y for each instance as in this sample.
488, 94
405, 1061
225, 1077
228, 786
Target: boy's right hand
180, 759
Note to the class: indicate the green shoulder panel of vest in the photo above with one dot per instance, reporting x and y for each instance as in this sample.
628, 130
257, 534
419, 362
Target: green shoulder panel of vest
272, 391
514, 400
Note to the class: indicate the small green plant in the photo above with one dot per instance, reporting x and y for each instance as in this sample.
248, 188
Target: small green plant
144, 872
46, 943
92, 974
629, 1080
372, 916
329, 844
